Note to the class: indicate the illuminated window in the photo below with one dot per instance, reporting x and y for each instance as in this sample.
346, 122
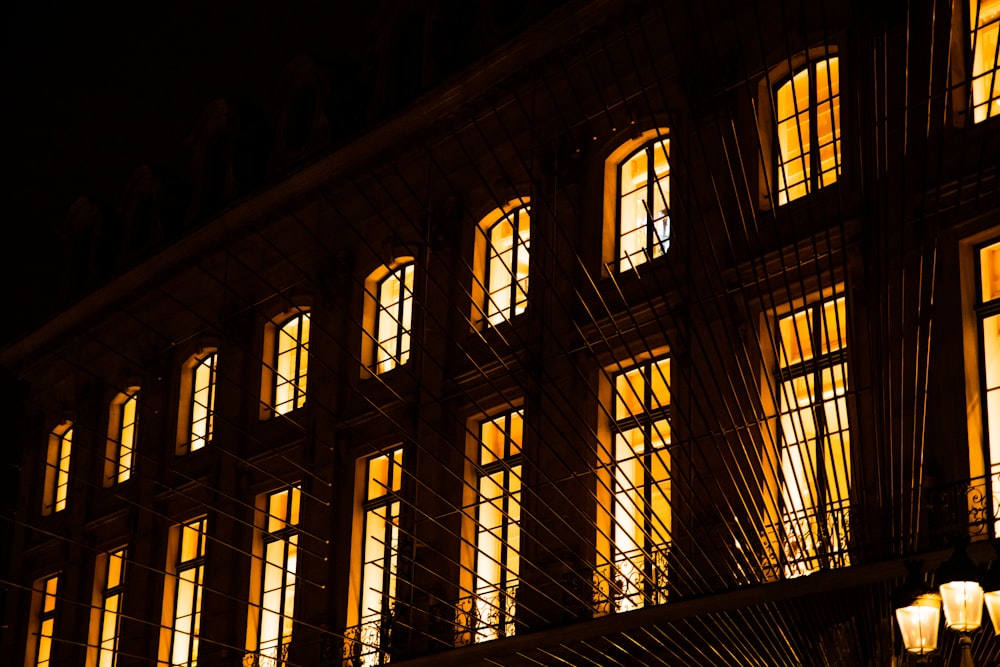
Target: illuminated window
984, 26
285, 371
807, 113
640, 514
196, 413
42, 629
814, 437
988, 314
490, 612
276, 561
501, 289
368, 643
388, 315
57, 468
637, 201
106, 615
182, 593
122, 421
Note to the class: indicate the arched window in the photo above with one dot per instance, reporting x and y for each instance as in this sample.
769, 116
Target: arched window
123, 419
196, 408
57, 462
388, 316
637, 200
804, 111
500, 289
286, 363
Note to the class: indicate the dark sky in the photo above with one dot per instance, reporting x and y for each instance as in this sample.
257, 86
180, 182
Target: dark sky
92, 90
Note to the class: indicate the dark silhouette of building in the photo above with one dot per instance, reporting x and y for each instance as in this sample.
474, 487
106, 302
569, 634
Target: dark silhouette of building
603, 333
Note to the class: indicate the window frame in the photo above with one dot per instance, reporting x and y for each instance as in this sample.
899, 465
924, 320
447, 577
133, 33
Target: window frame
273, 382
176, 567
966, 29
478, 619
483, 304
620, 156
772, 162
58, 463
371, 348
799, 551
103, 591
119, 459
44, 589
188, 440
617, 592
368, 637
286, 534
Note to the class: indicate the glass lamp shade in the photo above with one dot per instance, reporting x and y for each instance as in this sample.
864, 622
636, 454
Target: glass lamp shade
963, 605
993, 607
919, 622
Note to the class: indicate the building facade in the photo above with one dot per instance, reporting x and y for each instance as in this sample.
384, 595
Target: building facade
663, 334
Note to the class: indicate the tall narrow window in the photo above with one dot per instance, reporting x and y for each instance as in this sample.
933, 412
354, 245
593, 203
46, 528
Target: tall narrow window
392, 326
111, 578
196, 413
271, 622
492, 609
815, 462
807, 113
369, 642
988, 312
183, 590
57, 462
291, 364
42, 630
640, 514
984, 26
122, 422
644, 204
504, 247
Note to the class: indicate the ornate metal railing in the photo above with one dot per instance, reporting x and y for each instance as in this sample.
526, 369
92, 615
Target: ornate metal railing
369, 643
275, 656
637, 578
970, 507
489, 615
806, 541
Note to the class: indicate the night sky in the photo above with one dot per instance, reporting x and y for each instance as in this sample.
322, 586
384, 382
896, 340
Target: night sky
92, 91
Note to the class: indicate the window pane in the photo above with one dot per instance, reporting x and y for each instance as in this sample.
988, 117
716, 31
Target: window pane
984, 18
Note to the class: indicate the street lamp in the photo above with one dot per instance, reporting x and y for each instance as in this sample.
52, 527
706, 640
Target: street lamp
918, 612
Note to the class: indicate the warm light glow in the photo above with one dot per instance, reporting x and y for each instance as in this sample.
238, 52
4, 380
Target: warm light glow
644, 205
984, 26
918, 624
808, 130
498, 533
963, 605
392, 325
278, 576
110, 614
202, 416
815, 436
48, 589
57, 469
642, 516
122, 418
291, 364
189, 570
379, 560
992, 600
507, 266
